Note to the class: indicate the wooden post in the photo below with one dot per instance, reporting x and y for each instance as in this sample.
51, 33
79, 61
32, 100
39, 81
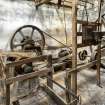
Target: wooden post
50, 74
2, 68
98, 58
7, 88
7, 94
98, 63
2, 91
74, 49
99, 47
72, 77
68, 86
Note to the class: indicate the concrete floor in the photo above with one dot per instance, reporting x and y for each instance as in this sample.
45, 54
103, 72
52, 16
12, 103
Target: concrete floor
89, 91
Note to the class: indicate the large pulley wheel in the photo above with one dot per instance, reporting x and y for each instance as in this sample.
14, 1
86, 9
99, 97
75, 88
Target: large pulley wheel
27, 36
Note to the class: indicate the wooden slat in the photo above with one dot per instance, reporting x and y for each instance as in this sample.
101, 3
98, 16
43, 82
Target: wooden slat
53, 95
78, 69
27, 76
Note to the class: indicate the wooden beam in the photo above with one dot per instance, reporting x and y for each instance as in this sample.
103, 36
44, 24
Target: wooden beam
55, 4
78, 69
53, 95
27, 76
74, 50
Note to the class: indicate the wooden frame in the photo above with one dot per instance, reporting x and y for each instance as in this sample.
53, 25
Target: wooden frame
10, 80
72, 74
45, 72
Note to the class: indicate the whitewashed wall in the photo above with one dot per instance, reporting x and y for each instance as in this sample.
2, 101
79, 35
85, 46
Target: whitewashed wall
14, 14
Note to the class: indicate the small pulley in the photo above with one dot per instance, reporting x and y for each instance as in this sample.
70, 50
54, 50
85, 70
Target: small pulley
82, 55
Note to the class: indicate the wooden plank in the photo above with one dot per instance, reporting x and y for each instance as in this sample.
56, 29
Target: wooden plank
78, 69
27, 76
53, 95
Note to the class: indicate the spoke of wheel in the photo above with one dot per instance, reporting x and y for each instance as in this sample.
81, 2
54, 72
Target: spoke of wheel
21, 33
32, 32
